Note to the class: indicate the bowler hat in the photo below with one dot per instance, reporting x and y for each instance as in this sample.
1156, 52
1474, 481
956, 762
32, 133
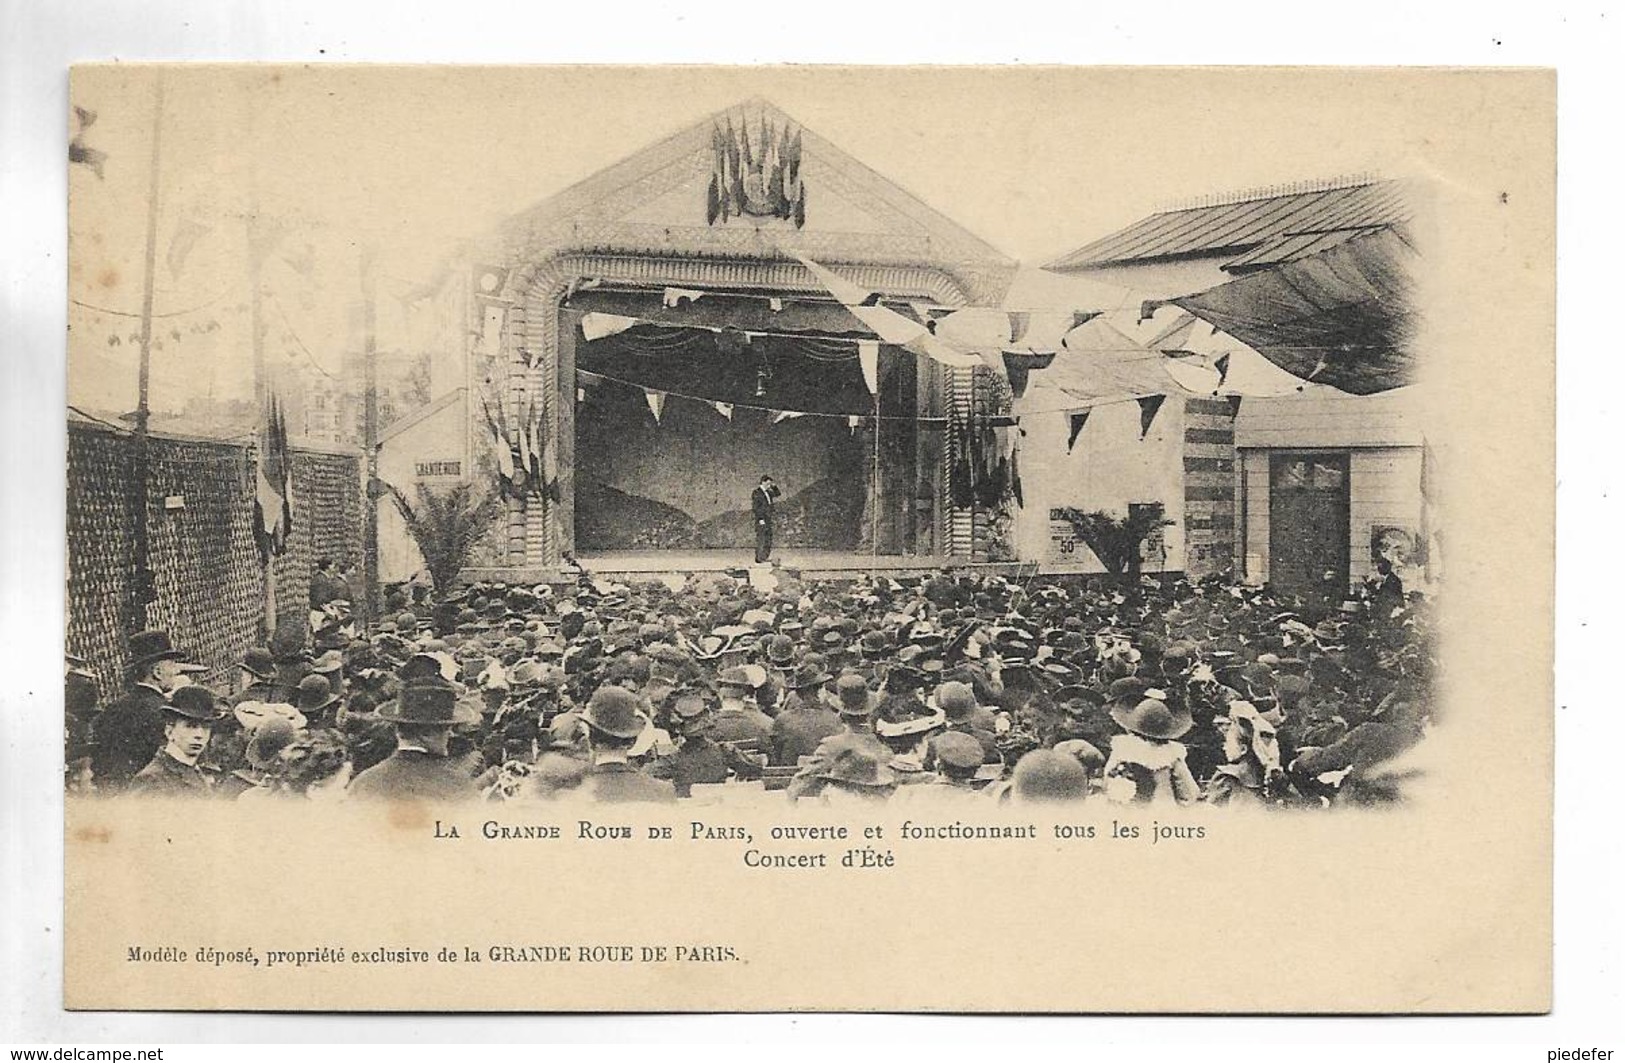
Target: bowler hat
196, 703
956, 699
428, 700
613, 711
853, 691
149, 647
257, 662
315, 693
957, 750
808, 674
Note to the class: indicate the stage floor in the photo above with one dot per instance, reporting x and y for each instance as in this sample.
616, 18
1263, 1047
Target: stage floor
807, 564
810, 564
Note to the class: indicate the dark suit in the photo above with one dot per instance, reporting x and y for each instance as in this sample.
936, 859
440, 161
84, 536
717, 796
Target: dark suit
800, 728
167, 777
620, 783
761, 511
412, 774
128, 734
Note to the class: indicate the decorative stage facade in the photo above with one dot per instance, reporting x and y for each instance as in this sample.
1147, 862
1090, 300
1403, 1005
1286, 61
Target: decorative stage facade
649, 344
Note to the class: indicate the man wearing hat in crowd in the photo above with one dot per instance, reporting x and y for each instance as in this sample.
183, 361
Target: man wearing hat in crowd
698, 758
740, 722
962, 714
805, 720
857, 729
317, 701
130, 730
423, 713
614, 723
188, 721
957, 758
260, 671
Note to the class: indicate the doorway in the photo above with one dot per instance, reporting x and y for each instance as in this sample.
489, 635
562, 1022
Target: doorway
1309, 525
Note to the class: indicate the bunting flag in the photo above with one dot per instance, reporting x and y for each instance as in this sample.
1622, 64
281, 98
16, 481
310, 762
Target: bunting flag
852, 425
1017, 364
869, 359
725, 408
78, 151
1235, 405
1222, 364
1075, 423
595, 326
1149, 405
273, 490
581, 394
656, 401
786, 415
896, 329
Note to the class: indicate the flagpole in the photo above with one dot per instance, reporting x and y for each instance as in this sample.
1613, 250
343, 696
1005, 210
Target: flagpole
261, 388
145, 589
369, 368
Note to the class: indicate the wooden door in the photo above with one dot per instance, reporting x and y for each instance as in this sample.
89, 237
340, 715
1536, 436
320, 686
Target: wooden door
1309, 524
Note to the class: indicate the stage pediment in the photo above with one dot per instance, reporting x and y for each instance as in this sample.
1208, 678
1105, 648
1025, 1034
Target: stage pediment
753, 183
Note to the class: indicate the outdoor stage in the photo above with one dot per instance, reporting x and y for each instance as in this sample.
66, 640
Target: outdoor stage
806, 564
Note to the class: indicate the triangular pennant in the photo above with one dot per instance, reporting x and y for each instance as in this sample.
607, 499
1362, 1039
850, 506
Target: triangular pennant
786, 415
1222, 364
852, 424
1075, 423
595, 326
869, 360
656, 401
1148, 412
725, 408
1235, 405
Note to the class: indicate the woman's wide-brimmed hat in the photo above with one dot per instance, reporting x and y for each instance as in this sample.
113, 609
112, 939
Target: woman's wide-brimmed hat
858, 765
1152, 718
614, 711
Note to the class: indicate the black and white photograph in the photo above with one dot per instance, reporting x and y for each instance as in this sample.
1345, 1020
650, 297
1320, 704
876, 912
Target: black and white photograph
788, 482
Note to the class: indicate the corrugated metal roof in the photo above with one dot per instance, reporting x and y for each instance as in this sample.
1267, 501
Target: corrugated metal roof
1244, 225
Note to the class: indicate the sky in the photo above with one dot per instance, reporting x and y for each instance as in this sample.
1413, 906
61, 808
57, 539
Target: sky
414, 161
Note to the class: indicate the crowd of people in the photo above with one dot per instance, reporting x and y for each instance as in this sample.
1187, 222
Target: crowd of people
954, 685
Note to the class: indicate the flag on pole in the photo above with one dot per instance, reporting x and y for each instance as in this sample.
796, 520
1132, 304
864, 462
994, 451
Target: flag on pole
273, 492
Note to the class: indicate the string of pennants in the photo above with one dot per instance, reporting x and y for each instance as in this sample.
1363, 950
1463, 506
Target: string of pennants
656, 399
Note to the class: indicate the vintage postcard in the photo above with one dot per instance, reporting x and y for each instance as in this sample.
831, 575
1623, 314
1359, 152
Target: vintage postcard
740, 539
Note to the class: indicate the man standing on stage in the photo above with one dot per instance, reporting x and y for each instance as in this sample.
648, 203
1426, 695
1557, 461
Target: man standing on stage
761, 508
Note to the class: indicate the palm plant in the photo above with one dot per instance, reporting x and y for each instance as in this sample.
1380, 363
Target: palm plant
1116, 540
446, 525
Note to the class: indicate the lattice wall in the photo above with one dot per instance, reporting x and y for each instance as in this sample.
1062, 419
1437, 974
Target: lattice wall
210, 585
